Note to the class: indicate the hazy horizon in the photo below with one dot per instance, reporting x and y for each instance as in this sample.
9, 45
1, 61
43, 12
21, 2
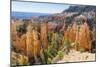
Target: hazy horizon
27, 15
31, 7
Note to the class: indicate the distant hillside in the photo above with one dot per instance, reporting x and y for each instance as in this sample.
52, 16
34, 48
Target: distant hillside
78, 14
80, 8
89, 12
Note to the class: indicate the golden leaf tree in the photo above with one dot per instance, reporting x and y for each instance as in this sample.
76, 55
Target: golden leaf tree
70, 33
29, 40
84, 37
36, 44
44, 34
18, 43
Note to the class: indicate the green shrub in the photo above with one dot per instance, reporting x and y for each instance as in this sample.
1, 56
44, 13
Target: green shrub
66, 42
49, 61
82, 50
52, 52
60, 54
77, 46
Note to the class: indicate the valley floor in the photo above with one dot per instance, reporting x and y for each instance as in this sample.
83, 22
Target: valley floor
76, 56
